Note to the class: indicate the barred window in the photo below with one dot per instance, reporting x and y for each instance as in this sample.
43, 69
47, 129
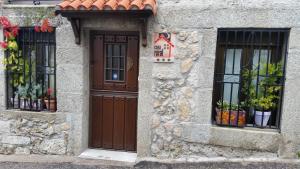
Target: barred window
30, 76
249, 77
33, 2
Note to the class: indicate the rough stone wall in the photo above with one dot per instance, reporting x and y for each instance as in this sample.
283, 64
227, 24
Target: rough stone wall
33, 133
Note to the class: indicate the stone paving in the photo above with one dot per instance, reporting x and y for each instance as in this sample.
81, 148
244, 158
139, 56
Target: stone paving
147, 165
67, 162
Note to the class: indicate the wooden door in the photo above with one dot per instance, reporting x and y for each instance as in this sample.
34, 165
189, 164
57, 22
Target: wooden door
114, 91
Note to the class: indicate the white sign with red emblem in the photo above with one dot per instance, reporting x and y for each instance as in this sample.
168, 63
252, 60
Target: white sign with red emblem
163, 47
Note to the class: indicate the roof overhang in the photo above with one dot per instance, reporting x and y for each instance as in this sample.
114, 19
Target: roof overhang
75, 16
76, 10
96, 13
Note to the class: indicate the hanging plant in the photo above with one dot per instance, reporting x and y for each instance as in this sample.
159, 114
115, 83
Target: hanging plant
45, 27
13, 62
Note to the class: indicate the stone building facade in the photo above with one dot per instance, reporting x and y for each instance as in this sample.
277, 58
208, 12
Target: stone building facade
174, 118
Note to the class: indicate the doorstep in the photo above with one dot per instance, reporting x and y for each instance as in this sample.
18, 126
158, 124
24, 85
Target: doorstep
98, 154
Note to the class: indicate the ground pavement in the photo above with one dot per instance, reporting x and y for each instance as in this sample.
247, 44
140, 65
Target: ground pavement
67, 162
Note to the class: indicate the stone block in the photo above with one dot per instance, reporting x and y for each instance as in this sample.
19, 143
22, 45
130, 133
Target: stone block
73, 55
4, 126
292, 66
16, 140
54, 146
201, 106
22, 151
69, 78
196, 133
228, 16
202, 73
105, 23
294, 39
184, 109
145, 68
246, 139
186, 65
167, 71
70, 102
65, 36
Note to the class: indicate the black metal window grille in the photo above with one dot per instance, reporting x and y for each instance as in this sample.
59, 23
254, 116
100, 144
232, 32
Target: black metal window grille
249, 77
34, 87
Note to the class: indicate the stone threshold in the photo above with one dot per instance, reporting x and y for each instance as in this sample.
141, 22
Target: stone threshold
98, 154
60, 159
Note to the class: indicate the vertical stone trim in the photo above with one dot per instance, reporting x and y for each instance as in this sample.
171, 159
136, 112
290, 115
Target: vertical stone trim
2, 77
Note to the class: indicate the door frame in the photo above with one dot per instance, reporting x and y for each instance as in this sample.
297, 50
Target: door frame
93, 33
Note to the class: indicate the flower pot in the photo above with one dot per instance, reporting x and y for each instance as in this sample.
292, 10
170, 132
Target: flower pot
37, 105
14, 102
51, 104
24, 104
237, 118
262, 118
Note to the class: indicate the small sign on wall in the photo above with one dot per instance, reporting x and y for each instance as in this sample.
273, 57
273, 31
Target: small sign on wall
163, 47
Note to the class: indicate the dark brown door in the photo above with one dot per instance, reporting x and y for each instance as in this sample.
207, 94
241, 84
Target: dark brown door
113, 91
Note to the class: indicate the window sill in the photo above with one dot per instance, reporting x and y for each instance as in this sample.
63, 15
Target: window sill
247, 138
254, 129
17, 111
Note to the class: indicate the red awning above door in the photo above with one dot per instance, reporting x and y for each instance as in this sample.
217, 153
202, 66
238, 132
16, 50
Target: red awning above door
108, 5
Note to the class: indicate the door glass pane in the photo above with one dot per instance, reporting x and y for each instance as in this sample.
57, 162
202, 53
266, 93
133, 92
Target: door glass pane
115, 62
116, 50
109, 53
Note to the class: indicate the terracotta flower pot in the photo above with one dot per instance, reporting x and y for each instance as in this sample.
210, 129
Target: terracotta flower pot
51, 104
236, 118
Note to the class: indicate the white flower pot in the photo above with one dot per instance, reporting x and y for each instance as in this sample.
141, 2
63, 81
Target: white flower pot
22, 104
262, 118
14, 102
37, 105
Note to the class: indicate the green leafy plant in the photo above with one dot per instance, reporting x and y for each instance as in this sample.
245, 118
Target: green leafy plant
225, 106
266, 95
298, 154
23, 91
36, 92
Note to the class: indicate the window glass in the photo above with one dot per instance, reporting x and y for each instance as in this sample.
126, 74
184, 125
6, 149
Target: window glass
115, 62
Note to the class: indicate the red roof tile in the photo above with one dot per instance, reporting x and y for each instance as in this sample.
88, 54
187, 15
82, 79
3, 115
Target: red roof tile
108, 5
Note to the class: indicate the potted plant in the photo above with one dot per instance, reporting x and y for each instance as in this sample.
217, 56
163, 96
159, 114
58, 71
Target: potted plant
264, 98
50, 100
268, 93
232, 115
23, 93
35, 95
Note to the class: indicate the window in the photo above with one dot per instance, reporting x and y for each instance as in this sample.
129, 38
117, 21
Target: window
115, 62
33, 2
249, 77
30, 79
115, 58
